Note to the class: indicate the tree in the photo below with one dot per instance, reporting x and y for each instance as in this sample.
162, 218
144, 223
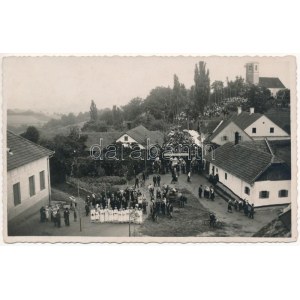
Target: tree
31, 134
67, 149
202, 86
93, 111
284, 97
236, 88
133, 109
179, 97
159, 103
259, 97
217, 87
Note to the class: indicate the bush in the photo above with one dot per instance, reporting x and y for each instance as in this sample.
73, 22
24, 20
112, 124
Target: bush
97, 184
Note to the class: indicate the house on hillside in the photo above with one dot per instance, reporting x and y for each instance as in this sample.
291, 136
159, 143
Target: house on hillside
141, 136
28, 176
246, 126
252, 171
137, 135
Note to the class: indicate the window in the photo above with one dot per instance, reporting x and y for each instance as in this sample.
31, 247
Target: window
225, 176
272, 130
253, 130
250, 68
255, 67
224, 138
31, 186
283, 193
247, 190
126, 138
263, 194
42, 180
17, 194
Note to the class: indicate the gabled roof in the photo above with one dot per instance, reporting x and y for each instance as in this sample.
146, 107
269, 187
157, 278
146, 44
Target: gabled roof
245, 119
218, 129
23, 151
240, 161
281, 119
141, 133
108, 138
208, 126
244, 160
242, 120
271, 82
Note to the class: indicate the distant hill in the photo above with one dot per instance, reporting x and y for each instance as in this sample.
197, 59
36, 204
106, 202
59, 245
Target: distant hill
65, 130
19, 118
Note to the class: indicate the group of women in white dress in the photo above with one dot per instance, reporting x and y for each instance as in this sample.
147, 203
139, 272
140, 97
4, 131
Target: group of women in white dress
100, 215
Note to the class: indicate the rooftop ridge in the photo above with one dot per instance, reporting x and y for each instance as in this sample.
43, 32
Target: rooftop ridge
30, 142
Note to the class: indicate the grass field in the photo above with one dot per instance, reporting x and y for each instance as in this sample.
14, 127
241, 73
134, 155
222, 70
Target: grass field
186, 222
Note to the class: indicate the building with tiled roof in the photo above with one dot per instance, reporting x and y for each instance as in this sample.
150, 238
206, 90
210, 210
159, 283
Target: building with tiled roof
141, 135
274, 84
137, 135
28, 175
246, 126
252, 171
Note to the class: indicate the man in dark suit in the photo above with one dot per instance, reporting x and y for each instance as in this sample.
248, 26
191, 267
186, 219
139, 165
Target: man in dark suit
200, 191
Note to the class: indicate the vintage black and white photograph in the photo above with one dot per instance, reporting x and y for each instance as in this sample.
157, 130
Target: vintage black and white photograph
149, 148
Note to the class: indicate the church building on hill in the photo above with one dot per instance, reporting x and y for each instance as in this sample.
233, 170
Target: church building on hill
252, 77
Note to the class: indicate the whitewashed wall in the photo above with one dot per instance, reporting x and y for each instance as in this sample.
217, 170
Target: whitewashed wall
237, 186
230, 131
263, 126
273, 187
129, 141
22, 175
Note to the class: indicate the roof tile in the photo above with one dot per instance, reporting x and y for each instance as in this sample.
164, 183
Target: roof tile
23, 151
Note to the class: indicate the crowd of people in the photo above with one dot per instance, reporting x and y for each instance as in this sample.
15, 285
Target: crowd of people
54, 214
241, 205
122, 215
130, 197
206, 192
223, 107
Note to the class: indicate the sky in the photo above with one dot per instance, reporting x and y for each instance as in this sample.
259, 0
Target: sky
68, 84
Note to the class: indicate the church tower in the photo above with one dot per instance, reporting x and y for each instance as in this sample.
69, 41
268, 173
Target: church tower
252, 72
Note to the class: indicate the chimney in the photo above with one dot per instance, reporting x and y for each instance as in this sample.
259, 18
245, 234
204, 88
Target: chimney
251, 110
239, 110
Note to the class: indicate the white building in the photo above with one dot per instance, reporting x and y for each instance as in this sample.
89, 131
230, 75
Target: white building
139, 135
253, 172
246, 126
28, 176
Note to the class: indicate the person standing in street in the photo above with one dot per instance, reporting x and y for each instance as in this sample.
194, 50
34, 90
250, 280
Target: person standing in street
87, 209
158, 180
200, 191
251, 213
136, 185
212, 193
67, 217
75, 215
229, 207
58, 221
189, 176
154, 180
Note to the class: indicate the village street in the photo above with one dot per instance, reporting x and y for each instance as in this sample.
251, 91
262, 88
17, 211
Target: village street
236, 223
